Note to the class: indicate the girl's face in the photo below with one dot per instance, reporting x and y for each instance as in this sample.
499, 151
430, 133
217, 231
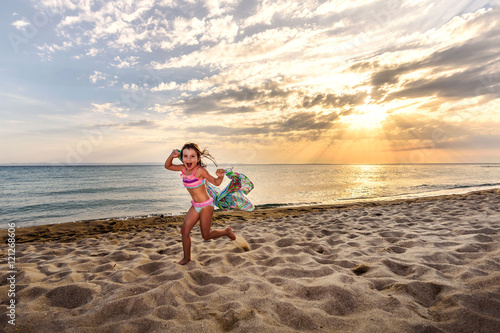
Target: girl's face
190, 158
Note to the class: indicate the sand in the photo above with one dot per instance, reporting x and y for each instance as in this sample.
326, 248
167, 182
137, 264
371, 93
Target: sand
420, 265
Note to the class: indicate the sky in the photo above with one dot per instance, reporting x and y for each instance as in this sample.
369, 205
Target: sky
362, 82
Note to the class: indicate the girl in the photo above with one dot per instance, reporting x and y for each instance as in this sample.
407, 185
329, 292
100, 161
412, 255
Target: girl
194, 176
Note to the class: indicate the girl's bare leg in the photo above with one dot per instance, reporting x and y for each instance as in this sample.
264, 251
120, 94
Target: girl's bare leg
189, 222
206, 223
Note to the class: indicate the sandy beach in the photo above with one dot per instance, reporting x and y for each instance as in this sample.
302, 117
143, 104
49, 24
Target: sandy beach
418, 265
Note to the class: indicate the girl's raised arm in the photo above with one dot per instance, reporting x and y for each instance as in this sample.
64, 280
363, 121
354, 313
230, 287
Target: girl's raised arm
216, 181
168, 162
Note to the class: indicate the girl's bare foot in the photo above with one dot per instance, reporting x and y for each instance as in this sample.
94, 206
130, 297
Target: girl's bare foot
231, 234
183, 261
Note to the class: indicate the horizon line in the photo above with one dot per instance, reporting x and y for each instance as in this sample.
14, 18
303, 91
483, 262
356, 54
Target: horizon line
222, 163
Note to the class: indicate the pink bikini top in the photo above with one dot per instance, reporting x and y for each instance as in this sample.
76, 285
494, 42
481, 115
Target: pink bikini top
191, 181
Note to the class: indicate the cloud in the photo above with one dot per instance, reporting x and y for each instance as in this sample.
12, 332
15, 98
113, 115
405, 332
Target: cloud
413, 132
138, 124
335, 101
467, 68
451, 87
109, 108
305, 121
471, 141
478, 141
239, 99
417, 127
92, 52
146, 24
306, 125
220, 29
132, 86
21, 24
165, 86
271, 96
258, 47
98, 76
129, 62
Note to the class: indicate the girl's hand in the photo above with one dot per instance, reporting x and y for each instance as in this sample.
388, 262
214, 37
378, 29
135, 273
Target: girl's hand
220, 173
175, 153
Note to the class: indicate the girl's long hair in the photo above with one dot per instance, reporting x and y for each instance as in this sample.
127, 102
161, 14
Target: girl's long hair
201, 153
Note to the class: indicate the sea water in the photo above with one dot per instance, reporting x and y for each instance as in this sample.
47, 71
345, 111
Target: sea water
37, 195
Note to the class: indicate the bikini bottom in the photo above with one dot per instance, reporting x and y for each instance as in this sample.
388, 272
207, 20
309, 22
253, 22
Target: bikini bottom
198, 206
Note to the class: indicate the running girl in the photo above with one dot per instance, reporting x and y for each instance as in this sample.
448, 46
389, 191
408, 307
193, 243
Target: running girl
194, 176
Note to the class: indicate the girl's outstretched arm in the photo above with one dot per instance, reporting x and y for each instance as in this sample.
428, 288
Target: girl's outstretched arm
168, 162
216, 181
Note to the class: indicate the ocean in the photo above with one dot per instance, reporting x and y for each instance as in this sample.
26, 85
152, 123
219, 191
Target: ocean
38, 195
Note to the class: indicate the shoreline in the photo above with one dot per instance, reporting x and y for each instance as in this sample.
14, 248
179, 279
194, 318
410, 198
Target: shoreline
144, 216
117, 193
72, 231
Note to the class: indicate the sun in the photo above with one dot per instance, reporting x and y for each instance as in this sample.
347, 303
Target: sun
366, 117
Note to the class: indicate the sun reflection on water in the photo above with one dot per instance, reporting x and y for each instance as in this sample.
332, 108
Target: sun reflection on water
366, 179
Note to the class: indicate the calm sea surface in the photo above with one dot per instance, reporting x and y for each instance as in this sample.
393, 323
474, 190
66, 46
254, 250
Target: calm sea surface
37, 195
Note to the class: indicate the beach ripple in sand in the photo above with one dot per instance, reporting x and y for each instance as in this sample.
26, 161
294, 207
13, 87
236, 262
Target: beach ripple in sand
422, 265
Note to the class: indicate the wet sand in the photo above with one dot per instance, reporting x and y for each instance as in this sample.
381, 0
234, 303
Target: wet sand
418, 265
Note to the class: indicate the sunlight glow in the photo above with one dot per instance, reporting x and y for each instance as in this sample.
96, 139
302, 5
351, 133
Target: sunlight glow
367, 117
